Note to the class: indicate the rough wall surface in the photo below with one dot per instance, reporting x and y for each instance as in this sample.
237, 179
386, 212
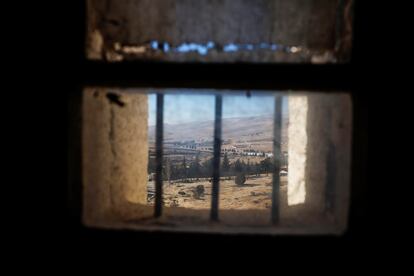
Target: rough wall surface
319, 155
312, 25
115, 152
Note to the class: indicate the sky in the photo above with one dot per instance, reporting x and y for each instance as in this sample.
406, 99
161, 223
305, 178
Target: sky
185, 108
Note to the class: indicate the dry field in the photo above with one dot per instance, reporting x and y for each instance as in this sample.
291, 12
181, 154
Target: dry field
254, 194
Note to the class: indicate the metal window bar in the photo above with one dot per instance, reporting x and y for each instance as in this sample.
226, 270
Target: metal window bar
216, 159
159, 155
277, 141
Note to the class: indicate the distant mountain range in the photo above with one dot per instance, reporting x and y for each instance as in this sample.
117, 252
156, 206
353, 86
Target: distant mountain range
257, 128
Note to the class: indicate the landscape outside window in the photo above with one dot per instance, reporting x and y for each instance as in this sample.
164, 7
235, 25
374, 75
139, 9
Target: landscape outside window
309, 151
246, 150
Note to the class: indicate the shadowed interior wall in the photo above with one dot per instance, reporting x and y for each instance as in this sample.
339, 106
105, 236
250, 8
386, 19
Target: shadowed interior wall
115, 153
320, 128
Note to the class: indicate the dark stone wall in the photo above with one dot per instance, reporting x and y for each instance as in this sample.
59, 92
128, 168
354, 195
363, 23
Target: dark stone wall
313, 25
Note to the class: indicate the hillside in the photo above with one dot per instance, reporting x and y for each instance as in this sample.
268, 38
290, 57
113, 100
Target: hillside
257, 128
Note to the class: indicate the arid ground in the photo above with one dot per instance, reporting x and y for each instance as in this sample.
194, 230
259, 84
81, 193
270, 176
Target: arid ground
254, 194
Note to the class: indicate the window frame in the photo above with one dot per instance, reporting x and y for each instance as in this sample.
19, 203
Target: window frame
328, 78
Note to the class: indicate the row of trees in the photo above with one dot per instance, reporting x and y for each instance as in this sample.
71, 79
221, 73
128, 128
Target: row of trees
197, 169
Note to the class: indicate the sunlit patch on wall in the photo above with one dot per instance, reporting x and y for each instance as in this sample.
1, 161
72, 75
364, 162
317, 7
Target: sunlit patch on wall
298, 143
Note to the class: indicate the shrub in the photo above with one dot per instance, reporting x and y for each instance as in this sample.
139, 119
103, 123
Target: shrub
198, 192
240, 179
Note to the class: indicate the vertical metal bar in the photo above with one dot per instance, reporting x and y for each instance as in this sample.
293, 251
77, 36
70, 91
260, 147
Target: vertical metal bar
277, 140
158, 155
216, 160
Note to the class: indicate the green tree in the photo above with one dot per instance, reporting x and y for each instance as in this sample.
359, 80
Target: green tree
225, 166
266, 165
238, 166
184, 171
248, 167
195, 167
151, 165
167, 170
207, 167
257, 169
